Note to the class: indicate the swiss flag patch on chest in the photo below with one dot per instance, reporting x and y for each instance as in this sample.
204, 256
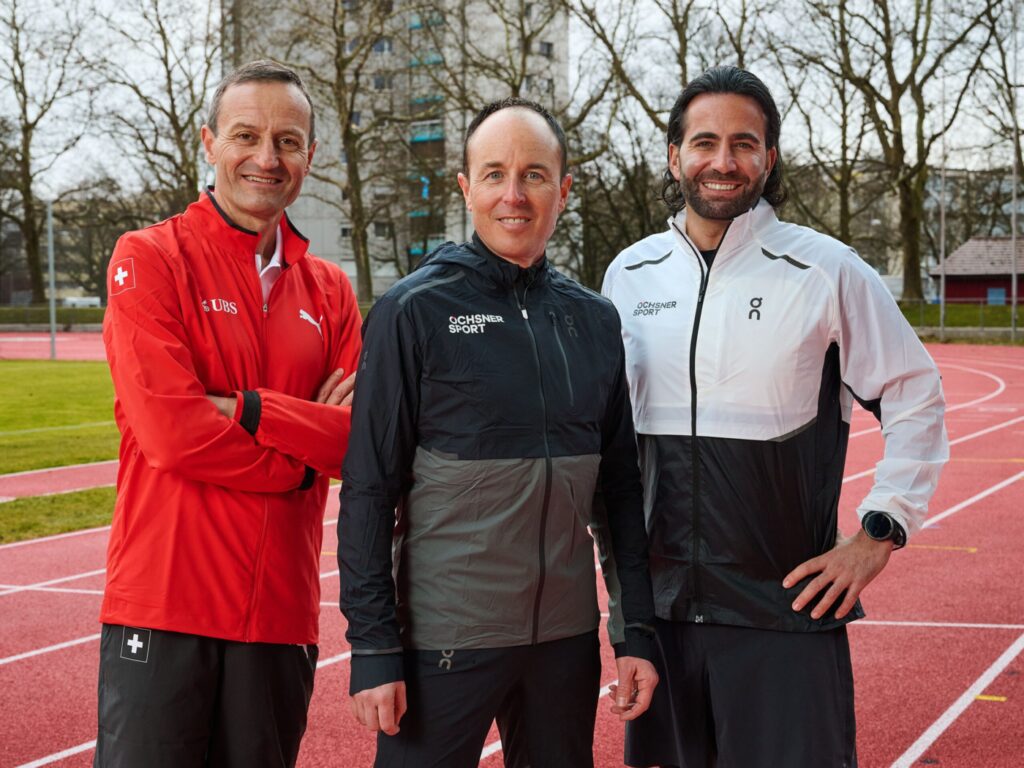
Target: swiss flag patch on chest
122, 276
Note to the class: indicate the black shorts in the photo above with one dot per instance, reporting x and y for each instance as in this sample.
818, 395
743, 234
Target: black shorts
169, 700
735, 696
544, 697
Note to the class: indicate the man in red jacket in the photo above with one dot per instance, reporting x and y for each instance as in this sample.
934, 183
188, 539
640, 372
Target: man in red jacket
230, 348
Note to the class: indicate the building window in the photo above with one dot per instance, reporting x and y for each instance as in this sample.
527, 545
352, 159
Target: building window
426, 130
346, 233
537, 84
528, 11
383, 45
352, 44
546, 49
383, 82
382, 229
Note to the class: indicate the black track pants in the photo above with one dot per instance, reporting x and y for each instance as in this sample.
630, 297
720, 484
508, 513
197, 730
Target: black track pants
168, 700
734, 697
545, 697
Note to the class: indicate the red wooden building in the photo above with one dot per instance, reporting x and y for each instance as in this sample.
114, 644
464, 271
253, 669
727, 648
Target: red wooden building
979, 270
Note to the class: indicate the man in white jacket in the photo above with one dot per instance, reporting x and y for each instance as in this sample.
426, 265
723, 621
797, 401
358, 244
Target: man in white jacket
747, 341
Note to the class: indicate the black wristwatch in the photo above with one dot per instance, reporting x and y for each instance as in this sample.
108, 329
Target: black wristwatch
881, 526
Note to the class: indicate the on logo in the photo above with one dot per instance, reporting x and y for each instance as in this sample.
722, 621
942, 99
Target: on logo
570, 326
755, 308
446, 660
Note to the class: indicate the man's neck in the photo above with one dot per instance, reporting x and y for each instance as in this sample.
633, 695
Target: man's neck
706, 234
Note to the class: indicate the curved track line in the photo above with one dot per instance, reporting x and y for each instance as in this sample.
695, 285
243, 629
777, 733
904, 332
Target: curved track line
49, 649
934, 624
936, 729
61, 580
55, 537
60, 755
977, 497
1000, 388
964, 439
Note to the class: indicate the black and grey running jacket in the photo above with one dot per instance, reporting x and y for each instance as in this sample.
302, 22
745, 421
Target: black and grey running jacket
743, 377
489, 401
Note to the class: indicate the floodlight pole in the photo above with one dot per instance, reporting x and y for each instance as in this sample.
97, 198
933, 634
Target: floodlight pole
942, 207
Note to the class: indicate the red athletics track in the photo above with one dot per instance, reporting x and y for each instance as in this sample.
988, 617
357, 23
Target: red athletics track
36, 346
938, 661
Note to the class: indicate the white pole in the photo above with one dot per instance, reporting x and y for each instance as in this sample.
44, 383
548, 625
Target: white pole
53, 291
1013, 208
942, 206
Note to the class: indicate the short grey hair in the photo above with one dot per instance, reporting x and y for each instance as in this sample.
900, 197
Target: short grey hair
264, 70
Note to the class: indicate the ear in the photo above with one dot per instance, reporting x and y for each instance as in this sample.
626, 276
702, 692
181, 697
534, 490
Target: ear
673, 161
207, 137
309, 156
464, 186
563, 190
773, 155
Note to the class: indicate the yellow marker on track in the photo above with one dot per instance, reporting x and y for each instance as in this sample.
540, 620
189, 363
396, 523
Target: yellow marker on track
1000, 699
969, 550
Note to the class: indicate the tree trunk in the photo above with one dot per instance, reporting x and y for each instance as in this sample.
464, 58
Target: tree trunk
911, 197
30, 236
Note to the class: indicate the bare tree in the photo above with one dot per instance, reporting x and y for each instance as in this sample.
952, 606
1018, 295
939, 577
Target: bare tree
893, 53
165, 60
40, 73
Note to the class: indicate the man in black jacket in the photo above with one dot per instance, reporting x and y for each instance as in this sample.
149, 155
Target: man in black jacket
491, 404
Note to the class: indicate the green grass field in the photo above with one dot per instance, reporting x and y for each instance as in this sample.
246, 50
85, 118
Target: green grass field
53, 414
959, 315
37, 516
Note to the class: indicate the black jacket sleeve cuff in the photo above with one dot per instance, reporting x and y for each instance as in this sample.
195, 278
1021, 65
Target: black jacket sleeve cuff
374, 670
308, 479
639, 643
252, 407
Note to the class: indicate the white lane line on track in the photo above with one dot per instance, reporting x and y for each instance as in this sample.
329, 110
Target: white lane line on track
1000, 388
49, 649
495, 746
958, 707
58, 493
977, 497
83, 425
60, 755
933, 624
334, 659
60, 590
51, 582
58, 469
55, 537
963, 439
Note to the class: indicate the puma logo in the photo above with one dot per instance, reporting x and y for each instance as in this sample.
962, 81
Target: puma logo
304, 315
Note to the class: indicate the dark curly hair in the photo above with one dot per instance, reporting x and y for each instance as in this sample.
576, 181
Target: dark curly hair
726, 79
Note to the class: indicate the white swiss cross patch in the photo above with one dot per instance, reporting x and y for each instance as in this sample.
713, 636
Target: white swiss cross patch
122, 276
135, 644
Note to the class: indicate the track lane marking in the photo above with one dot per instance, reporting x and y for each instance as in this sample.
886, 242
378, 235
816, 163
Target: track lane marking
967, 502
61, 580
59, 590
82, 425
54, 537
958, 707
49, 649
1000, 388
495, 746
933, 624
60, 755
957, 441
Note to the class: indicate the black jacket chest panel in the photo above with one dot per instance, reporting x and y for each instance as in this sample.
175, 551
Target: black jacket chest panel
493, 382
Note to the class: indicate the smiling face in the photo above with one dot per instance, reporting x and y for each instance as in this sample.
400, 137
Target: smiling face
721, 163
261, 152
514, 187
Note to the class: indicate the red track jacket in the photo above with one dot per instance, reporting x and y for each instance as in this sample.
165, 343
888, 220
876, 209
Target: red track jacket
218, 526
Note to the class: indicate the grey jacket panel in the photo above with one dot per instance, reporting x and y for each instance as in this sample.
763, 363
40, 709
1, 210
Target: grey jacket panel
470, 554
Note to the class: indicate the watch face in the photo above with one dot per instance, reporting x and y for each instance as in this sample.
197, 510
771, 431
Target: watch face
878, 526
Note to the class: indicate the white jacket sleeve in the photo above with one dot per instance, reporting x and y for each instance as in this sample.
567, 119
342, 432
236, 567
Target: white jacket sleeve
888, 370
